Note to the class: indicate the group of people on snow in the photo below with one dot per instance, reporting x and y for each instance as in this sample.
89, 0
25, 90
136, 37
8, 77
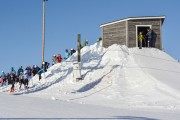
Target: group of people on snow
145, 39
58, 58
22, 76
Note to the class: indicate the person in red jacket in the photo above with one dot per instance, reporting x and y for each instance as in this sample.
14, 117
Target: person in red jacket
59, 58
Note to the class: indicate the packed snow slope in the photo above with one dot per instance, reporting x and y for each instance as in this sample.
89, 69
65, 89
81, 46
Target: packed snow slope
116, 76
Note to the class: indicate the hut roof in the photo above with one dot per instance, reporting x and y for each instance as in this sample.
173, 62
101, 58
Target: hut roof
135, 18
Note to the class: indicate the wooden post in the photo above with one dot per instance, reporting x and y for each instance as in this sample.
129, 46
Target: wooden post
79, 48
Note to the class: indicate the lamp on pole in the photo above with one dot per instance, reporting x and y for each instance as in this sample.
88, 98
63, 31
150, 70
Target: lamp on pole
43, 29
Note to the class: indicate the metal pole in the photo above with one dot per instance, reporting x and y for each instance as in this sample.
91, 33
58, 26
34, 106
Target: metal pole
43, 29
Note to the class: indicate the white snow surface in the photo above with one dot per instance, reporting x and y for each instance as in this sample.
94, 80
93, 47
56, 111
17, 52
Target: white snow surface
127, 83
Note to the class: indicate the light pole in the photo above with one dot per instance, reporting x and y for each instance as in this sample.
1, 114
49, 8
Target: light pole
43, 29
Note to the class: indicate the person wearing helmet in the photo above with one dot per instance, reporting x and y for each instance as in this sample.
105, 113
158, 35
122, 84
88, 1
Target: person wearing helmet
28, 70
72, 51
45, 66
35, 70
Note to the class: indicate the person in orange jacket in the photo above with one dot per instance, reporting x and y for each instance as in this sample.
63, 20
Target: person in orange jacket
59, 58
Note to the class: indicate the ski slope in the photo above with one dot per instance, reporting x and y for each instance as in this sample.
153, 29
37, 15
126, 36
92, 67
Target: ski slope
117, 77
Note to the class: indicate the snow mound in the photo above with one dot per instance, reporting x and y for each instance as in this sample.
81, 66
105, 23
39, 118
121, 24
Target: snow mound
116, 76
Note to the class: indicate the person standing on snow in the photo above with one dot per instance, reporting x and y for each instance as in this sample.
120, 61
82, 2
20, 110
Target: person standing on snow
72, 51
40, 72
85, 42
99, 39
35, 70
13, 77
26, 77
45, 66
3, 77
3, 74
21, 79
13, 71
67, 54
59, 58
8, 77
149, 36
54, 59
140, 37
1, 81
20, 70
29, 70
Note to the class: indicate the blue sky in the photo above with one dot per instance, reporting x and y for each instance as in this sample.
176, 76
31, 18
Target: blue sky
21, 26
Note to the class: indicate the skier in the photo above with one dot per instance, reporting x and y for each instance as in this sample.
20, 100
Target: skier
67, 54
59, 58
29, 70
13, 71
26, 81
35, 70
13, 77
1, 81
72, 51
3, 77
40, 72
8, 77
20, 70
54, 59
45, 65
21, 79
3, 74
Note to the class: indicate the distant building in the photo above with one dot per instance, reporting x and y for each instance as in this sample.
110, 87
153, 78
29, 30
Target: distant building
125, 31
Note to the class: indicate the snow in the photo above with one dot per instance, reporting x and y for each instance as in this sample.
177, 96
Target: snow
118, 82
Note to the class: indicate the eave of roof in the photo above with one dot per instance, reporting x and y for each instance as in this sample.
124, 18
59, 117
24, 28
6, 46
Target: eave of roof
134, 18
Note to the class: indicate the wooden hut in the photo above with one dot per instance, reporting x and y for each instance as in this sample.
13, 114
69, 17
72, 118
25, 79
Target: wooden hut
125, 31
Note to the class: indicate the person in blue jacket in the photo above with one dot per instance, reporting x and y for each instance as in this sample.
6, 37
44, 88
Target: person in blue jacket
13, 71
67, 54
149, 36
42, 70
3, 74
20, 70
